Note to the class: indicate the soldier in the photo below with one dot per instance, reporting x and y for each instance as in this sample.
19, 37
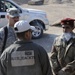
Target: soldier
7, 35
24, 57
62, 57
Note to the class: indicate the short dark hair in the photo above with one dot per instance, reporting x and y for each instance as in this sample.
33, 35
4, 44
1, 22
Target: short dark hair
20, 35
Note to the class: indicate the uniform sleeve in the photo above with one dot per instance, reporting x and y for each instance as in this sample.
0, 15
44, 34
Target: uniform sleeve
70, 67
45, 64
53, 59
1, 38
3, 63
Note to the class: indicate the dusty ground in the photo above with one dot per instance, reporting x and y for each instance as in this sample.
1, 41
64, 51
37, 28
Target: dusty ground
55, 12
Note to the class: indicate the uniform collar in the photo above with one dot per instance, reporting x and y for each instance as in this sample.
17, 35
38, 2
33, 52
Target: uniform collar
22, 41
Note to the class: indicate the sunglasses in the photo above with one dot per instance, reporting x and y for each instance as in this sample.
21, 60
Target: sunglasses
15, 17
66, 27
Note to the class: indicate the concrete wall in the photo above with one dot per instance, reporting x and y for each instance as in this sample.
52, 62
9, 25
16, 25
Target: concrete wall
45, 1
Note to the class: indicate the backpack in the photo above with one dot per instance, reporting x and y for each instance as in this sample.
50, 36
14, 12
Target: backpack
5, 38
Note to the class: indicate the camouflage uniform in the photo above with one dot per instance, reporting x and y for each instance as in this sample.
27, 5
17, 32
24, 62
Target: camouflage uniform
10, 38
63, 56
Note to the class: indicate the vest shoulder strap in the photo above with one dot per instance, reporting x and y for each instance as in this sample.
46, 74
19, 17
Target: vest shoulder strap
5, 38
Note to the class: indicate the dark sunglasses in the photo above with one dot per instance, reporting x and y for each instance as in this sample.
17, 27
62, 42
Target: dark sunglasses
66, 27
15, 17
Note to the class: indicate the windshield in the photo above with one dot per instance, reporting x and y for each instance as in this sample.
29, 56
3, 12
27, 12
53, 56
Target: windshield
4, 5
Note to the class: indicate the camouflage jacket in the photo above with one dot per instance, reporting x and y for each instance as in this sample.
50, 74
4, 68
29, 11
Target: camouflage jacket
10, 37
63, 55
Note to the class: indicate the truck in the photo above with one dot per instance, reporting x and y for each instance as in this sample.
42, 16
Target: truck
35, 17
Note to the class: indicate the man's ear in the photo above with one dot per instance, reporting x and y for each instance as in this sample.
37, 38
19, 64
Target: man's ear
27, 35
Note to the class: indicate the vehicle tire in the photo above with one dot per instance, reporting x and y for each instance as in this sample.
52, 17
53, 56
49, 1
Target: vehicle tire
38, 31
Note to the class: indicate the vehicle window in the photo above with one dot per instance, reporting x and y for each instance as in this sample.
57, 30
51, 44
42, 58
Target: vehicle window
10, 5
2, 6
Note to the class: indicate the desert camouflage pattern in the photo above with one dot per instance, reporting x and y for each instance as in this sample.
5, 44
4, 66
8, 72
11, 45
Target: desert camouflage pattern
10, 38
63, 56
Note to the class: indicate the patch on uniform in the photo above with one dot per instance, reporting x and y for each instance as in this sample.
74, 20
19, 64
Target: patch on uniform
22, 58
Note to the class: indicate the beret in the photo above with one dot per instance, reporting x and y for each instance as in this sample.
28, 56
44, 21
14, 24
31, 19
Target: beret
67, 21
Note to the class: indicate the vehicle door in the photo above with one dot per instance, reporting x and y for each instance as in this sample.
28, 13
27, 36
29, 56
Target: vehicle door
3, 19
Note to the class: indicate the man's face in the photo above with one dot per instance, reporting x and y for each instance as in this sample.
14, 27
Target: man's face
13, 20
67, 28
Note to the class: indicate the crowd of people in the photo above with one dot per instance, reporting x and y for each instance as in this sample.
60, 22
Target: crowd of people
19, 55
